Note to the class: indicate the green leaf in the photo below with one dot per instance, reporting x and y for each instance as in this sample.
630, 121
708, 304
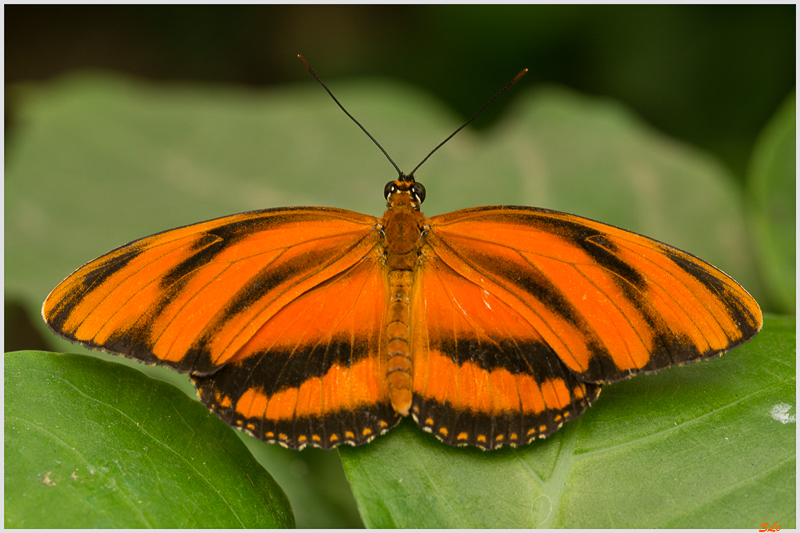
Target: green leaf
773, 185
91, 444
707, 445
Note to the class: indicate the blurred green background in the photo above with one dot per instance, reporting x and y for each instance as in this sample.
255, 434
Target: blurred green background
710, 76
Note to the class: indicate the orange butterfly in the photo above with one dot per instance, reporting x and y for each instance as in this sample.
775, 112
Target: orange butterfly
315, 326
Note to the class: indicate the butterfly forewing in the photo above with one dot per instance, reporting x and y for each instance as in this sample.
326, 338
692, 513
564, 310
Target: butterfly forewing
610, 303
277, 314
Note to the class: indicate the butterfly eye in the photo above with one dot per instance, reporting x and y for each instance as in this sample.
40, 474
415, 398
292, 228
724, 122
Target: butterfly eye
389, 189
418, 191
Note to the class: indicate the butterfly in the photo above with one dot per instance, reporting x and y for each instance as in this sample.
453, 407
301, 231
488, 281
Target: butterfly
315, 326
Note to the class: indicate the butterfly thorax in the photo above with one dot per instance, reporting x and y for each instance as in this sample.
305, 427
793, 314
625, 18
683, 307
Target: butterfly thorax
402, 227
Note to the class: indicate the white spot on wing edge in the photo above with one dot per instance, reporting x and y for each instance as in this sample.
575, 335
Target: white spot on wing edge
780, 412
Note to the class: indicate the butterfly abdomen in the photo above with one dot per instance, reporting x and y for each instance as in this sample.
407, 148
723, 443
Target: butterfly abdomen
398, 352
401, 229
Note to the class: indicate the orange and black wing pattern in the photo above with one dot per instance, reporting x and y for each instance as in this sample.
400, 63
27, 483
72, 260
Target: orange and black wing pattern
515, 318
520, 314
277, 315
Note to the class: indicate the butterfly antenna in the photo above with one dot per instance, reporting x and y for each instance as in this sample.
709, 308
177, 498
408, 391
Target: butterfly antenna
504, 89
311, 70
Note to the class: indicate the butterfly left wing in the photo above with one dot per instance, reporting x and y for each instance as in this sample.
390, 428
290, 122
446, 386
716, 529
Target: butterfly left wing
521, 313
264, 310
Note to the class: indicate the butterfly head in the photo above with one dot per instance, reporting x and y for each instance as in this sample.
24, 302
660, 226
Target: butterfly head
404, 191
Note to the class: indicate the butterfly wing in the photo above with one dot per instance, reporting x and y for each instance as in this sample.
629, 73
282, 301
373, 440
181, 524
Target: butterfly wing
276, 314
481, 374
521, 313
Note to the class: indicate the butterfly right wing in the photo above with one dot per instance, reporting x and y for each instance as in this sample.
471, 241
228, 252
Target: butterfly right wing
264, 309
521, 314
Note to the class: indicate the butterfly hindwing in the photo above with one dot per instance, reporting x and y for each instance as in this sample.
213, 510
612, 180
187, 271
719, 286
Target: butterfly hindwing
276, 314
482, 375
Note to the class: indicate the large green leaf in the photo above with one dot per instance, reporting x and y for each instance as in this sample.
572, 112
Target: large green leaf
709, 445
773, 186
94, 444
97, 161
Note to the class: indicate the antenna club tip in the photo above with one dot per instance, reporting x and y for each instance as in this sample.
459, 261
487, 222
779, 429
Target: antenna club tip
521, 73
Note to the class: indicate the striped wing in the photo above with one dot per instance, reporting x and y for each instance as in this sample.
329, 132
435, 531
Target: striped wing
276, 314
521, 313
